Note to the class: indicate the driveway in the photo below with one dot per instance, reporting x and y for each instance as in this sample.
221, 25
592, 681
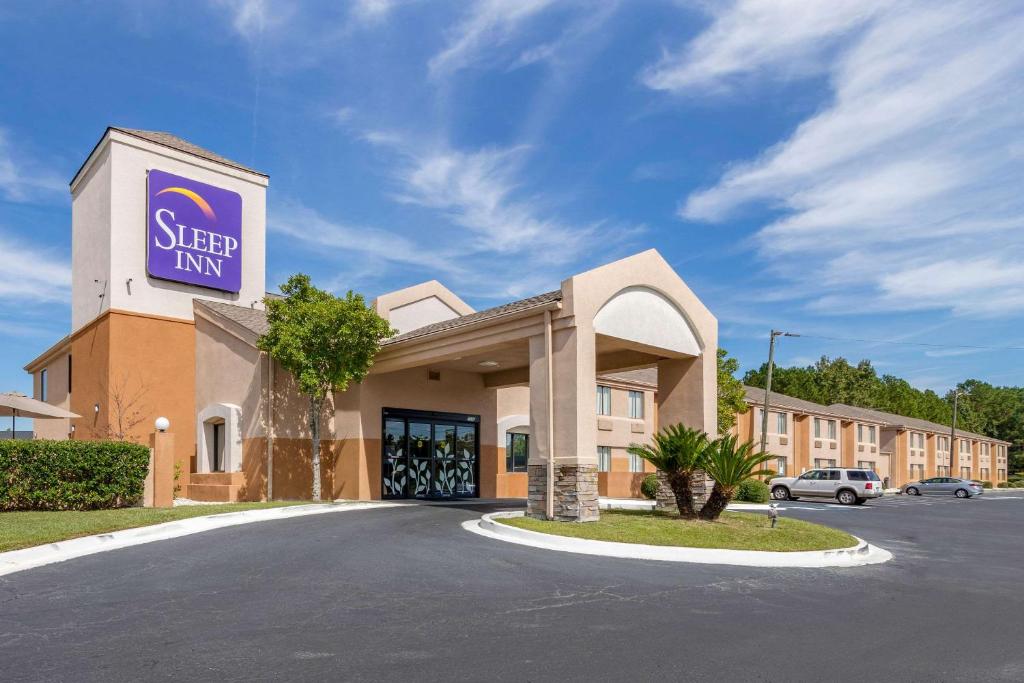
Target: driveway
406, 593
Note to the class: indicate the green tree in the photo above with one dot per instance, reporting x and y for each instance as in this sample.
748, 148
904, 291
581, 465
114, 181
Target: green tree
730, 392
729, 463
325, 342
677, 451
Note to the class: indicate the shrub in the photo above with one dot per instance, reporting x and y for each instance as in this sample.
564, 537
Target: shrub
1003, 485
752, 491
649, 487
986, 484
71, 475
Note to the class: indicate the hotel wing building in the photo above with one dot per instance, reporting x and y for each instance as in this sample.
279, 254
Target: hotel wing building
168, 283
805, 435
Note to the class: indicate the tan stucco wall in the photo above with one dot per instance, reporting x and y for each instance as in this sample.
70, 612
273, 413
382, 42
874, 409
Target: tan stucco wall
56, 367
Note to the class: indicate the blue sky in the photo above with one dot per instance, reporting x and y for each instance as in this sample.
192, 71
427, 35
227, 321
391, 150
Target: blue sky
841, 169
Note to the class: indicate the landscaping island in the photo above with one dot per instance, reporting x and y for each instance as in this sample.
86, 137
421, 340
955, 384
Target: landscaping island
732, 531
25, 529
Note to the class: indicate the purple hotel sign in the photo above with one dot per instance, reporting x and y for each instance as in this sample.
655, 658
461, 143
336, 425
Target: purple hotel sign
194, 232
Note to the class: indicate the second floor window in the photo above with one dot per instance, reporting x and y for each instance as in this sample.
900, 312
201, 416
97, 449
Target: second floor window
43, 393
604, 400
780, 423
636, 405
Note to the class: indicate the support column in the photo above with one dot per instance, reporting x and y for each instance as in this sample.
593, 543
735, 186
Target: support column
930, 456
568, 422
688, 394
161, 466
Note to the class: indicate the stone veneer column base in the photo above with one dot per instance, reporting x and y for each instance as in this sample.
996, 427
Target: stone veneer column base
576, 498
666, 500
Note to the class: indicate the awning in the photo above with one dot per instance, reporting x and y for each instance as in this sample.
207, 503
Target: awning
18, 405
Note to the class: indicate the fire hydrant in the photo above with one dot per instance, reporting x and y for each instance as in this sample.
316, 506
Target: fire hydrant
773, 513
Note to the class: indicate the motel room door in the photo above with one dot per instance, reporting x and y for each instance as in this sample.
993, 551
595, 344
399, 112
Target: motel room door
429, 455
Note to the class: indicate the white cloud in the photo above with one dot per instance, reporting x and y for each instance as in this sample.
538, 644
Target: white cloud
749, 35
488, 24
31, 274
371, 11
252, 18
23, 180
903, 192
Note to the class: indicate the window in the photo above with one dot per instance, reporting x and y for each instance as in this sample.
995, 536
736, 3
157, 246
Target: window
604, 400
860, 433
43, 393
813, 475
917, 471
1001, 474
984, 474
69, 373
965, 472
872, 436
636, 406
829, 432
854, 475
833, 475
943, 443
780, 466
866, 465
517, 449
942, 470
604, 458
636, 463
965, 446
824, 462
780, 422
984, 449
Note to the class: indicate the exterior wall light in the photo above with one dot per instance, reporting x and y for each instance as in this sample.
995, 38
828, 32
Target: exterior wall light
488, 364
162, 424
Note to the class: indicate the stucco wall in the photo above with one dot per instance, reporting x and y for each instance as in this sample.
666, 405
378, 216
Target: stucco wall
109, 235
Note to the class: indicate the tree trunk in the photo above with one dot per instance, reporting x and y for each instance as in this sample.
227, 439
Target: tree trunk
717, 502
681, 485
314, 426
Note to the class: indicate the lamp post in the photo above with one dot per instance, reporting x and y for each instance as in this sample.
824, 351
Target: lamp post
952, 436
768, 385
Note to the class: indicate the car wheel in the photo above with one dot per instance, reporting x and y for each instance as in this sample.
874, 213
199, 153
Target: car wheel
911, 491
846, 497
962, 493
780, 493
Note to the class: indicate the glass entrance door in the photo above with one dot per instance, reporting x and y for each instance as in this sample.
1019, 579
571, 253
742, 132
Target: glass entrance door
429, 455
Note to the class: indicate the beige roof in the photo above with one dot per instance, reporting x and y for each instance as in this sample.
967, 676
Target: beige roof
539, 301
904, 422
255, 320
755, 396
647, 376
174, 142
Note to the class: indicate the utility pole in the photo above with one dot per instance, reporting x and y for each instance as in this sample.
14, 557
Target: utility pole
952, 437
768, 385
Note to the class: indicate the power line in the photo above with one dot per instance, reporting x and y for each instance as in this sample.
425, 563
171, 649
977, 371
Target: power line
907, 343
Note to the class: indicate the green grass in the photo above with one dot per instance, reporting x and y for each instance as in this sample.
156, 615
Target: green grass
733, 531
26, 529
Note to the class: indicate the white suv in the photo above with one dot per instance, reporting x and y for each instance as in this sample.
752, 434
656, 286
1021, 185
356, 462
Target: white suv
846, 484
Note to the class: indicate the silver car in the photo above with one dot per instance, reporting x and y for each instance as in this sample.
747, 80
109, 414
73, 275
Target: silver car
848, 485
961, 488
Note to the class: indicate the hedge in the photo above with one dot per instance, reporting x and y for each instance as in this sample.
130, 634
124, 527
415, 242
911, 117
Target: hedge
649, 487
71, 475
752, 491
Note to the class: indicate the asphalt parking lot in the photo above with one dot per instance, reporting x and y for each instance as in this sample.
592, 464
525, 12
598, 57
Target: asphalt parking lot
406, 593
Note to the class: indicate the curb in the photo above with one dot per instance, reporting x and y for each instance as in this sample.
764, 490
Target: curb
40, 555
855, 556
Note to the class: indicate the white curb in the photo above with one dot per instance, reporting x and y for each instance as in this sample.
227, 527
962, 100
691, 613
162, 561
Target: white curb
861, 554
29, 558
625, 504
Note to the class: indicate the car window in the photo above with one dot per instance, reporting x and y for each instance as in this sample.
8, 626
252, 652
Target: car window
933, 480
833, 475
813, 475
854, 475
872, 475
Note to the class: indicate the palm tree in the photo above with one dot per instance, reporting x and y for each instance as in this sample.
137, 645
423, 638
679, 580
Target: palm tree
677, 451
730, 463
